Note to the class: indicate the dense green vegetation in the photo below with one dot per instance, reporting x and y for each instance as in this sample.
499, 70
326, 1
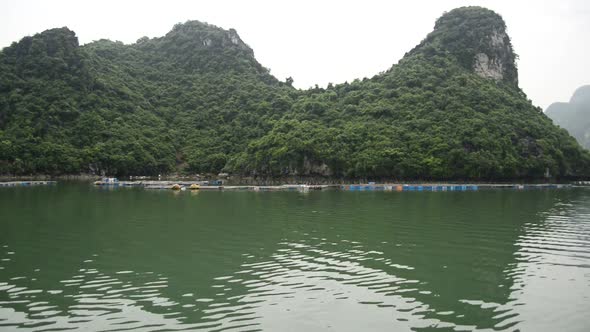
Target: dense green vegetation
196, 100
574, 116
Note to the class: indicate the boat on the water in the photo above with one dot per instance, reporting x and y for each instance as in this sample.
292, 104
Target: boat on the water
107, 182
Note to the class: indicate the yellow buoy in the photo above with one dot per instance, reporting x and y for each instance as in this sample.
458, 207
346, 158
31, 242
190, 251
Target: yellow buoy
194, 186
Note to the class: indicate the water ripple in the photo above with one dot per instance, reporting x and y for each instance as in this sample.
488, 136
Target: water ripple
283, 261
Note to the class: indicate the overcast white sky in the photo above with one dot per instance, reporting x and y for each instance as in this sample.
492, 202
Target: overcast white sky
317, 42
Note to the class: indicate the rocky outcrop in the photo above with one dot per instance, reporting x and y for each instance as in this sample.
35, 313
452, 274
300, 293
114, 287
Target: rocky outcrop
310, 167
319, 168
492, 64
477, 38
488, 68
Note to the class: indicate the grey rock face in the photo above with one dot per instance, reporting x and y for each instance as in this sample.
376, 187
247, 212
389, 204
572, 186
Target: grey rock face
493, 65
488, 68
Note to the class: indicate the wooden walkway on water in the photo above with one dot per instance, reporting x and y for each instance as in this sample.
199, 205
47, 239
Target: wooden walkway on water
185, 185
287, 187
26, 183
448, 187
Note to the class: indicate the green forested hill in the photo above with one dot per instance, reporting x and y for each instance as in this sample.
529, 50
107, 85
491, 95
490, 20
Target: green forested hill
196, 100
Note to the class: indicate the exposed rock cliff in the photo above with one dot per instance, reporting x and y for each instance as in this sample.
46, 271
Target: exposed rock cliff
478, 38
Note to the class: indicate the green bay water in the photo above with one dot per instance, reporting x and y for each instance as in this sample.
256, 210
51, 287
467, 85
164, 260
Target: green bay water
76, 257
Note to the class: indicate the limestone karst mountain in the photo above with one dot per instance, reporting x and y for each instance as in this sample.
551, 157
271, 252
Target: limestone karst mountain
196, 100
574, 115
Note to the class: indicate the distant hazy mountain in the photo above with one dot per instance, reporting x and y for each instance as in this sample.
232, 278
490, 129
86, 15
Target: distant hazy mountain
575, 115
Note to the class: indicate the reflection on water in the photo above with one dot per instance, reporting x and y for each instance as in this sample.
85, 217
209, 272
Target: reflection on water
552, 274
73, 257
